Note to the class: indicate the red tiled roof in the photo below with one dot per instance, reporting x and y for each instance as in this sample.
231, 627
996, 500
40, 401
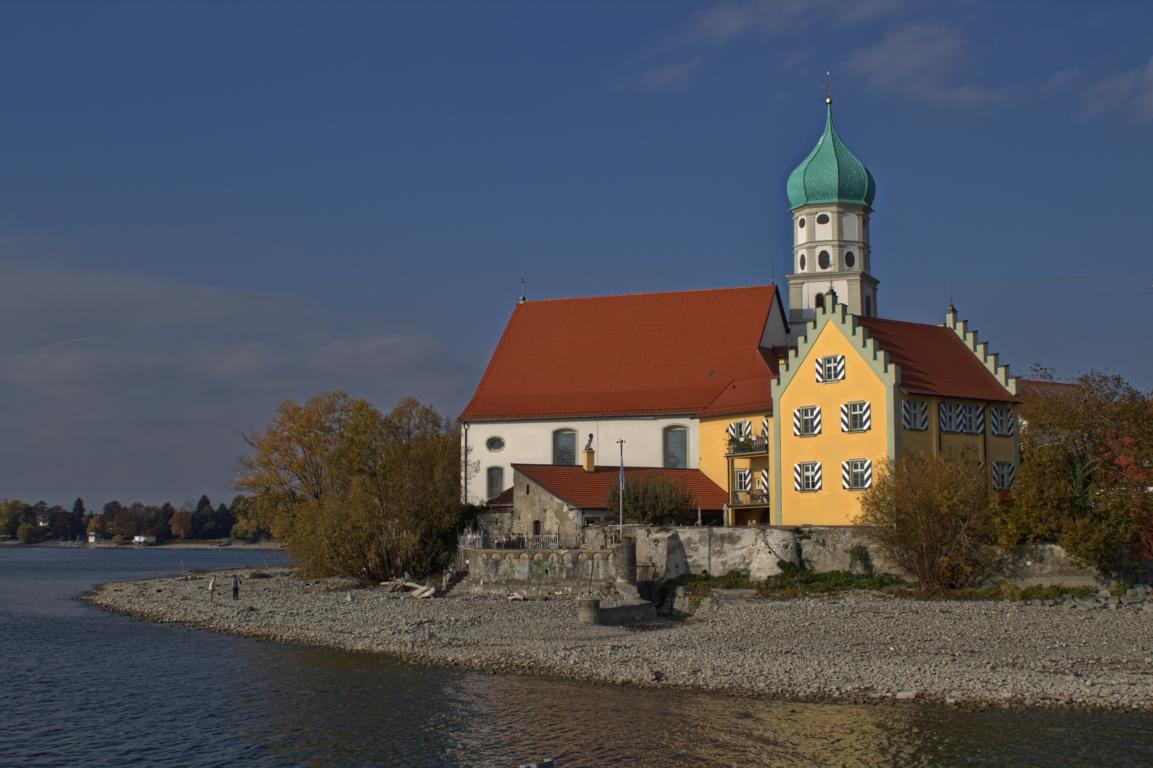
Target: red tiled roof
934, 360
655, 353
590, 490
742, 396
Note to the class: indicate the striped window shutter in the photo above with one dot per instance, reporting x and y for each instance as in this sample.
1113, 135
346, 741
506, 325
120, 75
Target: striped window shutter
796, 477
868, 473
919, 414
1004, 473
764, 481
866, 415
746, 428
745, 480
978, 419
820, 370
817, 420
846, 475
817, 476
945, 415
844, 417
1002, 421
908, 409
740, 429
840, 368
796, 422
765, 428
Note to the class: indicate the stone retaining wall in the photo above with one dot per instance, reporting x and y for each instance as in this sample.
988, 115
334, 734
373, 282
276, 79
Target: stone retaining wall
538, 571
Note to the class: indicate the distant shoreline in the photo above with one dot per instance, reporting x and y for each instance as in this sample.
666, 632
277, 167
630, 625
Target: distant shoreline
854, 647
262, 545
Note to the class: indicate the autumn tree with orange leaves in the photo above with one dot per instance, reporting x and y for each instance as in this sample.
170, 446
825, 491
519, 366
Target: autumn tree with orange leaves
1086, 471
355, 492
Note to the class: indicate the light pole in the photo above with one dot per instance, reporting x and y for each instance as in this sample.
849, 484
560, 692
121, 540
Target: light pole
621, 495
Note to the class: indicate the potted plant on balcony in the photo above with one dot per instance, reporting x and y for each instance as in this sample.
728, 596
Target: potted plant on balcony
740, 444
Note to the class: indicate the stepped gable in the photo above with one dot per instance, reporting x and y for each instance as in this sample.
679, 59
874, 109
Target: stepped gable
638, 354
590, 490
935, 361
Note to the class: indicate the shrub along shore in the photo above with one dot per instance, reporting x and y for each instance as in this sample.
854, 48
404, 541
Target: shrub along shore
1093, 652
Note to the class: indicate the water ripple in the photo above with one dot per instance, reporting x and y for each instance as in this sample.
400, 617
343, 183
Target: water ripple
83, 687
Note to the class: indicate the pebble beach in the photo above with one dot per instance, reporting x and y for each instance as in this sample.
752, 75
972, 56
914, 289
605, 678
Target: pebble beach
858, 646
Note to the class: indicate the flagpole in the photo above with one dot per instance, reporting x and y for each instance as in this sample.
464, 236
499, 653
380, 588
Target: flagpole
621, 495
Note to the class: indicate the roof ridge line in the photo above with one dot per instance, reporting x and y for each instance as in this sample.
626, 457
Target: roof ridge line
647, 293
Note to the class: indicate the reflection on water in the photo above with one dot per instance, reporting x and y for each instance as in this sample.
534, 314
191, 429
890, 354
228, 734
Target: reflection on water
92, 688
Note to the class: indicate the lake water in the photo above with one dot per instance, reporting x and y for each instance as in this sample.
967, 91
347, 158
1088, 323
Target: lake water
83, 687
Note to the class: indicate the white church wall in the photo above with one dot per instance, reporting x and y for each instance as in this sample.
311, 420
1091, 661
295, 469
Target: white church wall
850, 229
530, 442
810, 290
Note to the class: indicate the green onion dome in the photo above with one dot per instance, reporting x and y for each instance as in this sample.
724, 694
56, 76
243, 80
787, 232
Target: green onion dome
830, 174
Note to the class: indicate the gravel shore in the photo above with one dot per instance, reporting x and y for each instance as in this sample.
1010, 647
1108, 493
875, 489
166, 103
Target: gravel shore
854, 646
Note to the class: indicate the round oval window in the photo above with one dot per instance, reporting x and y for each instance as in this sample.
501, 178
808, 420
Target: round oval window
823, 260
850, 259
801, 222
823, 218
494, 443
802, 262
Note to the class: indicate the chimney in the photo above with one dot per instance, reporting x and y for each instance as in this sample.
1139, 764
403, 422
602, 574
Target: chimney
589, 463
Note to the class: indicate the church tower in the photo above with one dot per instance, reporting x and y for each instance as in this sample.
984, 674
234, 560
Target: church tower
831, 196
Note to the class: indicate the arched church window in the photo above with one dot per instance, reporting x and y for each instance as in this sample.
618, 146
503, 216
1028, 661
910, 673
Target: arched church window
823, 218
564, 447
676, 448
823, 260
495, 481
801, 222
802, 262
850, 259
820, 301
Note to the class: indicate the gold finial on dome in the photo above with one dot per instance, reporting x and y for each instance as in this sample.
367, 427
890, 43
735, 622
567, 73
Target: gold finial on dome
828, 88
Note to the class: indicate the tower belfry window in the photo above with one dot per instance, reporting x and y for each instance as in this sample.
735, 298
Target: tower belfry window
802, 262
850, 259
823, 218
819, 300
823, 260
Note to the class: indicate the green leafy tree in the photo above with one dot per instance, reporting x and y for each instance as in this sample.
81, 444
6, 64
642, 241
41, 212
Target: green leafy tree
931, 516
653, 499
13, 512
356, 492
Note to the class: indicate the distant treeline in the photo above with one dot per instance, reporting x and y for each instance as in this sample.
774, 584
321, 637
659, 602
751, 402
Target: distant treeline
192, 520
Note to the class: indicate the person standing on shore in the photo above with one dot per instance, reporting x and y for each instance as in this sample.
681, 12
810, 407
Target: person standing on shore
235, 587
211, 587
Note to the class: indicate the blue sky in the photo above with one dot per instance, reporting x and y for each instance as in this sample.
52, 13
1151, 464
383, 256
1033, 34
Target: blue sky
206, 208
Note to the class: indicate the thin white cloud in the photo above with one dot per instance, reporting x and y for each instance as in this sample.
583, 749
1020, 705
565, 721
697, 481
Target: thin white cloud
731, 20
671, 75
1129, 89
922, 61
728, 21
